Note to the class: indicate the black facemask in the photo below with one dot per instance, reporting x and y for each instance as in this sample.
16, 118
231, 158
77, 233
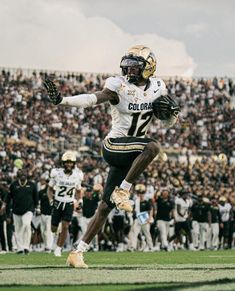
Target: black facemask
138, 64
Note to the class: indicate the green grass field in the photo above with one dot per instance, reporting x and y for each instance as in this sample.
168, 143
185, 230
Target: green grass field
181, 270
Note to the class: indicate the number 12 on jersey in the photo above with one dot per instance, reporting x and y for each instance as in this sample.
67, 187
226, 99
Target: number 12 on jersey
137, 127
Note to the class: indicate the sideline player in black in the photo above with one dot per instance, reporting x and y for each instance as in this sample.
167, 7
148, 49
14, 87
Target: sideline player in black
165, 212
24, 197
126, 148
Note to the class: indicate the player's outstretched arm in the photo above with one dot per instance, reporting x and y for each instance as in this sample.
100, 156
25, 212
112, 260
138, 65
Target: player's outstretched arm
81, 100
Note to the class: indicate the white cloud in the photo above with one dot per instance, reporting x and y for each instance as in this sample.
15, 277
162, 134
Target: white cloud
52, 35
196, 29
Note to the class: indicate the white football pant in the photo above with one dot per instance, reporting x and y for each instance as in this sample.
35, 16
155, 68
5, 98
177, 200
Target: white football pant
213, 236
136, 228
195, 233
46, 232
23, 230
203, 229
163, 227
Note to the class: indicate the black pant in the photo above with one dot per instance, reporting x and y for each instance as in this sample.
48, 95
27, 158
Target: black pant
120, 153
61, 211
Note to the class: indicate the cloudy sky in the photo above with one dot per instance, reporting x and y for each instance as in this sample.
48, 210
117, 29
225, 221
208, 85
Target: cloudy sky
188, 37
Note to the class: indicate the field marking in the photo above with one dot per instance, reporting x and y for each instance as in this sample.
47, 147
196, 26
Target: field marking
216, 256
127, 267
67, 276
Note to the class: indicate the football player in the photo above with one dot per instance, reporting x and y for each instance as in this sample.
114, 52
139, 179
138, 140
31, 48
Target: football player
64, 188
126, 148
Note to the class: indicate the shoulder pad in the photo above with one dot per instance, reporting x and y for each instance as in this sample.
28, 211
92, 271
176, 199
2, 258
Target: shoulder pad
113, 83
158, 82
77, 171
54, 172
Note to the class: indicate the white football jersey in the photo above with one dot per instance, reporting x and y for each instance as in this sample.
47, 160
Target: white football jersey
225, 211
133, 114
183, 209
65, 185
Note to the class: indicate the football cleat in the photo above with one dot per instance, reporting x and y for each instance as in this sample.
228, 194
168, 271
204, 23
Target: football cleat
76, 260
57, 252
121, 198
192, 248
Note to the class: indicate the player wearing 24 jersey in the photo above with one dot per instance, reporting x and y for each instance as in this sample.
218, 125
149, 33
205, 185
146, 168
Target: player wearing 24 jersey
126, 149
64, 187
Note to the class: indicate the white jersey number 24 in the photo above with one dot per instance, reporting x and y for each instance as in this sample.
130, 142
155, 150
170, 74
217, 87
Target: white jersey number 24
65, 191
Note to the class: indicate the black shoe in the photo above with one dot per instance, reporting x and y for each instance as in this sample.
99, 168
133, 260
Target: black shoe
26, 252
20, 252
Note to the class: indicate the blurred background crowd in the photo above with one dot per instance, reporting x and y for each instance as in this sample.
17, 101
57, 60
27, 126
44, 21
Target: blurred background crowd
200, 150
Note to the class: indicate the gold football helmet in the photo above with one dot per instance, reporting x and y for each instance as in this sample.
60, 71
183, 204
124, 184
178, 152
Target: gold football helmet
140, 188
69, 156
69, 160
222, 199
142, 57
222, 158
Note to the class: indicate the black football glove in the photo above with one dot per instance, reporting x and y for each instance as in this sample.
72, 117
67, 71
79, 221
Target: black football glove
164, 107
53, 93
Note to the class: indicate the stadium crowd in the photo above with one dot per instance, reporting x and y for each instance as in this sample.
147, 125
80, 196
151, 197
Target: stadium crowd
35, 133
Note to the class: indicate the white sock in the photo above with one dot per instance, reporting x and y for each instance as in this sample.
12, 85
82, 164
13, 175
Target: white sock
55, 238
58, 248
82, 247
125, 185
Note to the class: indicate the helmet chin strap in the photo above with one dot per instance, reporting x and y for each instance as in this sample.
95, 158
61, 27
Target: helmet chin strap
140, 81
68, 171
133, 79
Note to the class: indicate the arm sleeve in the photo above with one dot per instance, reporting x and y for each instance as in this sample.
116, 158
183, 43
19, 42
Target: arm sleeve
81, 101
